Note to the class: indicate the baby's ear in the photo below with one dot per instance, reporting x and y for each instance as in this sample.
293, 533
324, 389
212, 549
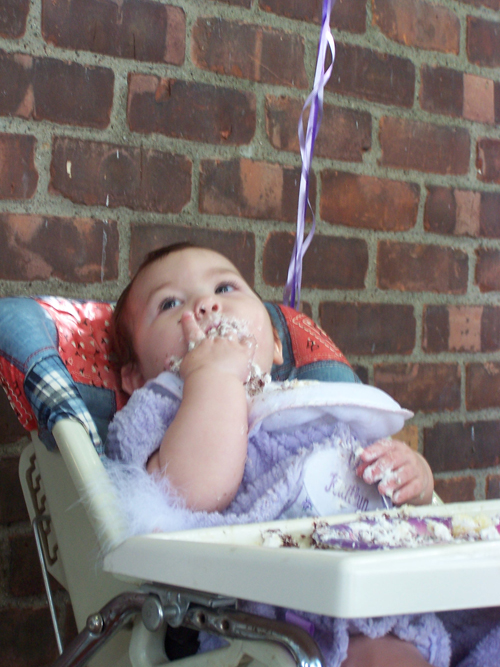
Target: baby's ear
132, 378
278, 349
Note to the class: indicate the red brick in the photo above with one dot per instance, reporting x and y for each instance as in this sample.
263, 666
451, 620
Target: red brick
369, 328
18, 174
330, 262
238, 247
89, 102
418, 23
488, 160
370, 75
421, 387
92, 173
38, 88
492, 487
409, 144
249, 189
483, 42
10, 429
367, 202
456, 489
88, 248
12, 507
421, 268
482, 385
26, 637
488, 269
462, 212
173, 108
496, 88
25, 574
13, 18
459, 446
249, 52
344, 134
461, 329
442, 90
479, 99
348, 15
136, 29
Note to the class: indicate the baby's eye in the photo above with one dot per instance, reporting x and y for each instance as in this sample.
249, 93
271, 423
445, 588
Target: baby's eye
169, 303
224, 288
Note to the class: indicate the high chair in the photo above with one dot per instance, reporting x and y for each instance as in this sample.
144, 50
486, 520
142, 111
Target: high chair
125, 593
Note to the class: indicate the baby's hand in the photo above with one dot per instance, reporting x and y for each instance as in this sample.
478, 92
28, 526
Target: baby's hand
401, 473
231, 354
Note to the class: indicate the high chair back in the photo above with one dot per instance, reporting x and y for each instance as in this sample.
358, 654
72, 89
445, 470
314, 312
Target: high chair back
56, 369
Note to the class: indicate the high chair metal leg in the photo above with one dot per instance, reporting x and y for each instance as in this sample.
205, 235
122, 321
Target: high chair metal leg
100, 628
37, 521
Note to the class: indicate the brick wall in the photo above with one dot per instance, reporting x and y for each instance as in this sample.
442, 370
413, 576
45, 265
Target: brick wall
128, 124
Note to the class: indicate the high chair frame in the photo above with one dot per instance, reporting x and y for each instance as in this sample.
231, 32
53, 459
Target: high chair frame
192, 578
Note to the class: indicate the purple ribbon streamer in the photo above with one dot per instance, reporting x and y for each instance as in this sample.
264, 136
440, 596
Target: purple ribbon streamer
291, 295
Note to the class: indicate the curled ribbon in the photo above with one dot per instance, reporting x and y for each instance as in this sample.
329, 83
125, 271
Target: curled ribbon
291, 295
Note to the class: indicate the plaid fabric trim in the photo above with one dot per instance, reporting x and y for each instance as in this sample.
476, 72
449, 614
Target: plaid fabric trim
53, 396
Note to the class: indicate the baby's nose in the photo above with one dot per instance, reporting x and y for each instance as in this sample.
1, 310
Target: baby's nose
207, 305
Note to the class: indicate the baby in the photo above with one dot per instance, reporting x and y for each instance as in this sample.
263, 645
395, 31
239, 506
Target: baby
190, 309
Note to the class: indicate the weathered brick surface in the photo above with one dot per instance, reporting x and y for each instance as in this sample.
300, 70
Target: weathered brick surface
88, 172
462, 212
492, 487
483, 41
418, 23
250, 189
367, 202
459, 446
18, 174
25, 574
488, 269
26, 637
171, 107
13, 17
421, 387
369, 328
136, 29
409, 144
461, 329
38, 88
456, 489
442, 90
330, 262
482, 385
249, 52
349, 15
239, 247
479, 99
371, 75
10, 428
344, 134
12, 507
488, 160
421, 268
27, 245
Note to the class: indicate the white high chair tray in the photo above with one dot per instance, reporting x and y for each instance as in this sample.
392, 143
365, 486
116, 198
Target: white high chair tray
230, 560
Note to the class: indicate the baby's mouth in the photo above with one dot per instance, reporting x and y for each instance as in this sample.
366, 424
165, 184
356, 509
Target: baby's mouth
224, 327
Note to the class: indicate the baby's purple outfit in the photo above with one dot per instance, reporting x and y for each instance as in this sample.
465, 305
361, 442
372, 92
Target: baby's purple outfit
274, 486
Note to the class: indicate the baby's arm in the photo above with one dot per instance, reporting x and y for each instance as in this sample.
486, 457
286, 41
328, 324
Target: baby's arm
204, 450
401, 473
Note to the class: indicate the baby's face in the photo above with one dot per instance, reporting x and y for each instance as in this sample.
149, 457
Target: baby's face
205, 284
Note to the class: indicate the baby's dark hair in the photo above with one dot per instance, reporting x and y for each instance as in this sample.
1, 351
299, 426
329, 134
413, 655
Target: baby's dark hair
122, 345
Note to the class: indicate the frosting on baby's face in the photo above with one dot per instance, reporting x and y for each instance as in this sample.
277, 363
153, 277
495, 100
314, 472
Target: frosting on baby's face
205, 284
225, 327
